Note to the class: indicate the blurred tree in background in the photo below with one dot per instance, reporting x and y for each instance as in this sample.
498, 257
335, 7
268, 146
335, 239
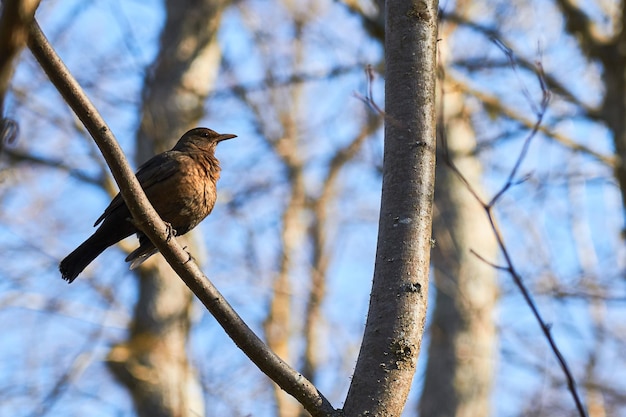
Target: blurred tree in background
292, 239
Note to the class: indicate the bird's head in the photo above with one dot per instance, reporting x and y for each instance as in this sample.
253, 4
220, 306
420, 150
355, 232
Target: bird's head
201, 138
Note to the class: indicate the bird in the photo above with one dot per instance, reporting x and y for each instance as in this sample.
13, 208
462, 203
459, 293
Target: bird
181, 186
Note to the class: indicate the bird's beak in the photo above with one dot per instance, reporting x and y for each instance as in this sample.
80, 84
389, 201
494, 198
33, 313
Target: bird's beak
226, 136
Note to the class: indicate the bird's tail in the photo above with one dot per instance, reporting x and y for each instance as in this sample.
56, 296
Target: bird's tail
75, 262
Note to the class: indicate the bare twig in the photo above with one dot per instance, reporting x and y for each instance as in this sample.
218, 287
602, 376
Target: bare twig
149, 222
81, 360
488, 262
369, 98
22, 157
498, 106
541, 111
512, 271
371, 103
497, 38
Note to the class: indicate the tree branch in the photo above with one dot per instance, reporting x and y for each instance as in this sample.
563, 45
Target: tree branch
397, 310
496, 104
578, 24
509, 267
148, 221
16, 156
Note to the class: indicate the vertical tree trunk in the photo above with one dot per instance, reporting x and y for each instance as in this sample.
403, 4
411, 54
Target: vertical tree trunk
397, 310
611, 53
614, 105
15, 20
153, 362
462, 348
277, 325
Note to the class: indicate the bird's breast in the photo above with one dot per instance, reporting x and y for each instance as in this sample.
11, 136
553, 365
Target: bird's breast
188, 197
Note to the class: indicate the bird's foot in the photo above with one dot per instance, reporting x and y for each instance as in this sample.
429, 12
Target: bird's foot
171, 232
188, 254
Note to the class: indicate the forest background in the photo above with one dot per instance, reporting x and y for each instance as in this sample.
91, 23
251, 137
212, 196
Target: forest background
292, 240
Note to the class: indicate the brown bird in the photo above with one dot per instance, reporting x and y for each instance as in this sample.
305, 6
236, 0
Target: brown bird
179, 183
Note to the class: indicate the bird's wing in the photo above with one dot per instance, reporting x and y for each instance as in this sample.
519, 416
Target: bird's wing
153, 171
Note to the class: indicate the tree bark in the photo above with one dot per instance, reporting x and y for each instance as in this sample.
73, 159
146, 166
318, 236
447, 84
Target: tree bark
153, 362
397, 311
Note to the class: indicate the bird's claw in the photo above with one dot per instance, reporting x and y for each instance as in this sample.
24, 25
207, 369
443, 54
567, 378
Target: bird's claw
171, 232
188, 254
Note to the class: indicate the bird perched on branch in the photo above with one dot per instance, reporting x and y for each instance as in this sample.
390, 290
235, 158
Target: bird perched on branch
180, 184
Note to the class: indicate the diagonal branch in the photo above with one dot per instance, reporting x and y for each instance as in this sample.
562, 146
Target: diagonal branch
149, 222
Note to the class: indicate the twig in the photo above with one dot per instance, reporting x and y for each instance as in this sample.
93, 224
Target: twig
520, 62
522, 155
488, 262
80, 362
22, 157
488, 207
369, 99
492, 103
149, 222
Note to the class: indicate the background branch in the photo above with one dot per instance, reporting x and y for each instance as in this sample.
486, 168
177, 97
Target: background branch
15, 20
14, 23
494, 104
509, 267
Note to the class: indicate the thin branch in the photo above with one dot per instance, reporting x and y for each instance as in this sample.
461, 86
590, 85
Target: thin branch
371, 102
271, 82
81, 360
522, 155
369, 98
554, 84
488, 262
22, 157
517, 279
497, 38
586, 295
148, 221
495, 104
